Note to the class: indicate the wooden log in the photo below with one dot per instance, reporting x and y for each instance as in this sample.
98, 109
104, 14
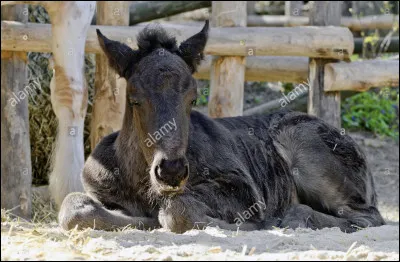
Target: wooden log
322, 42
145, 11
227, 73
142, 11
385, 21
392, 48
24, 2
69, 93
268, 68
321, 104
16, 168
353, 23
361, 75
276, 21
393, 44
110, 89
300, 104
264, 7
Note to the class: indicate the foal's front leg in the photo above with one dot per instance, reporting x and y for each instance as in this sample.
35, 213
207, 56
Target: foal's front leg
185, 212
81, 210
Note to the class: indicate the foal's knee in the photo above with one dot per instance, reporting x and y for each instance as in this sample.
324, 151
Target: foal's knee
180, 217
77, 209
172, 220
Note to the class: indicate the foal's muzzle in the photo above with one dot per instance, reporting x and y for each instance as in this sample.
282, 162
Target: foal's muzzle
171, 175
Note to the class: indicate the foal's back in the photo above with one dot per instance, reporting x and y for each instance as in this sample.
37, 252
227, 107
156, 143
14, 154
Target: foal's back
292, 158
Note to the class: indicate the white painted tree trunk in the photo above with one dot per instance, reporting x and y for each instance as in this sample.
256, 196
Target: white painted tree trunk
70, 22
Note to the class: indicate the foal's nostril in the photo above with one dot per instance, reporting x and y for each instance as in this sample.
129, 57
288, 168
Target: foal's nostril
172, 172
172, 165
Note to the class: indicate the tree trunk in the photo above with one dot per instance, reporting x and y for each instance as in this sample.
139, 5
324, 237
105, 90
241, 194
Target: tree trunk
69, 93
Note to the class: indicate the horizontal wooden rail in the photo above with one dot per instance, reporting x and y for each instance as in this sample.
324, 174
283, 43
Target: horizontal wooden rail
353, 23
18, 37
385, 21
160, 9
354, 76
322, 42
361, 75
267, 68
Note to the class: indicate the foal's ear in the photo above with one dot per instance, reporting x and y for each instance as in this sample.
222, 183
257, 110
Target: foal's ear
191, 50
120, 56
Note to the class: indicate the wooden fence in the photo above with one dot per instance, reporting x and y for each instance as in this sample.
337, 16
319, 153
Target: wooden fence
319, 53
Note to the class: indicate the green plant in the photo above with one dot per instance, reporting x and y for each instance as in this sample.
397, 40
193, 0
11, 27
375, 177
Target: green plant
202, 96
376, 112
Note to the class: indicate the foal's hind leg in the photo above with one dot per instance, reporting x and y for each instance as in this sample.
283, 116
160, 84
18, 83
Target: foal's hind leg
348, 220
81, 210
331, 176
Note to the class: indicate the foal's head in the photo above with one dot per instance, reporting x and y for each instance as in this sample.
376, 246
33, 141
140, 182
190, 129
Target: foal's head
160, 94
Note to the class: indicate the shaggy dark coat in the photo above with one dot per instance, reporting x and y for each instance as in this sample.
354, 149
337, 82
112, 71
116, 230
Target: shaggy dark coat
284, 169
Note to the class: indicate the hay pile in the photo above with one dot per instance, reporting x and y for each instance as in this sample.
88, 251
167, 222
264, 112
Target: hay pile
42, 120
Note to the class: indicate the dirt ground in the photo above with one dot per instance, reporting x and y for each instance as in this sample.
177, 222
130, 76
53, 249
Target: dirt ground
46, 241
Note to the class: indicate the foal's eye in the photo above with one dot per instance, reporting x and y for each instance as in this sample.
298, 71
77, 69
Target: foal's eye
194, 102
133, 102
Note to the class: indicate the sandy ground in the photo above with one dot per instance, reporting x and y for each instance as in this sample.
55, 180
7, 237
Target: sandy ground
28, 241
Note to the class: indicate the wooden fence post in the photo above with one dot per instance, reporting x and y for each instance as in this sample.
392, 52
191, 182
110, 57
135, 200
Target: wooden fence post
110, 89
325, 105
16, 169
227, 73
293, 8
251, 7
